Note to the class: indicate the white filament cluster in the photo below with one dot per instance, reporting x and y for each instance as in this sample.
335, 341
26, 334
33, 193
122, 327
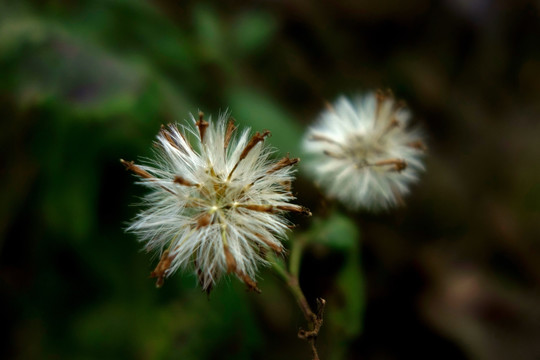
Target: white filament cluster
362, 152
216, 201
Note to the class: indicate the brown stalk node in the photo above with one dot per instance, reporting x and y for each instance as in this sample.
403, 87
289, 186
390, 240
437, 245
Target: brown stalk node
316, 322
204, 220
399, 164
258, 137
202, 125
418, 145
258, 207
273, 209
287, 185
168, 137
251, 284
160, 271
391, 125
286, 161
295, 208
130, 165
381, 96
272, 245
228, 133
182, 181
229, 259
329, 106
261, 251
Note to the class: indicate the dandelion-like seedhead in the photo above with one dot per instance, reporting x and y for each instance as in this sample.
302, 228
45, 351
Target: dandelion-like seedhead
216, 203
362, 153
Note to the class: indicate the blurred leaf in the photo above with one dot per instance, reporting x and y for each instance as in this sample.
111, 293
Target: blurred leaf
350, 285
253, 30
52, 65
337, 232
346, 303
253, 109
210, 33
192, 327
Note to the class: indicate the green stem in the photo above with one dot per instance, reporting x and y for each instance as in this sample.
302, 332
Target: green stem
291, 280
295, 258
292, 283
278, 268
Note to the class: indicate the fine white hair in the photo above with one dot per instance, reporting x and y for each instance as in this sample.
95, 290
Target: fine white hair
216, 200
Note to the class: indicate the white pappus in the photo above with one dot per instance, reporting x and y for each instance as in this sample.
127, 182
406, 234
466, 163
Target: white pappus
217, 201
362, 152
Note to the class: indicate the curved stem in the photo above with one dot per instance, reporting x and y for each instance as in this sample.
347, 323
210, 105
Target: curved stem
295, 258
291, 280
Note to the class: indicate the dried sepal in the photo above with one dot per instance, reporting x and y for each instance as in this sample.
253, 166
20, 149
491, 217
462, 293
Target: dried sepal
283, 163
160, 272
201, 125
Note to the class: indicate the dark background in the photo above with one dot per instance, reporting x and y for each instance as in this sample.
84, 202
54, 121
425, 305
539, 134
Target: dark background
453, 275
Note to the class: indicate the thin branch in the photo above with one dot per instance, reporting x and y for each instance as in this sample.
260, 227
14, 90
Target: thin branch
315, 320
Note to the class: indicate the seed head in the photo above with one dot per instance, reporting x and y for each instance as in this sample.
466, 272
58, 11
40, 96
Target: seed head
216, 203
362, 153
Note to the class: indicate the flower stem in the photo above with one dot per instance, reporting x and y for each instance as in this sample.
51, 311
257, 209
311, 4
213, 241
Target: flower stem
295, 258
290, 278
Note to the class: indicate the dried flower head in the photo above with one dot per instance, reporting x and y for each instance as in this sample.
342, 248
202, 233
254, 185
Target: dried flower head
362, 152
216, 203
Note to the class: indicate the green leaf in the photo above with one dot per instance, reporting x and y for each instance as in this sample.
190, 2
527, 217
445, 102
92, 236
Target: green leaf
337, 231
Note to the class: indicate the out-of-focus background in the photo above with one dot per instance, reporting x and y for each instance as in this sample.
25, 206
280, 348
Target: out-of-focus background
453, 275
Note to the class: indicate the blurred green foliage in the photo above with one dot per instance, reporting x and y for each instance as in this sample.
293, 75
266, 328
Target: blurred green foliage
83, 84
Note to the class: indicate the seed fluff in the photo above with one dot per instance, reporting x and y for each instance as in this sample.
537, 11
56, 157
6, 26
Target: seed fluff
217, 201
362, 153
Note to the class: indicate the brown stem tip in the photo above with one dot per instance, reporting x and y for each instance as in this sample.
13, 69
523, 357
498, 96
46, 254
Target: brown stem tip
202, 125
165, 133
230, 260
182, 181
257, 138
283, 163
251, 284
272, 245
161, 268
130, 166
228, 133
311, 335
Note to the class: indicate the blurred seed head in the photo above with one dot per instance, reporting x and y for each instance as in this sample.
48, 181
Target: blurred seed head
362, 152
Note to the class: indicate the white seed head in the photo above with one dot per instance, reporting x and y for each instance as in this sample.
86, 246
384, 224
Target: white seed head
216, 203
362, 153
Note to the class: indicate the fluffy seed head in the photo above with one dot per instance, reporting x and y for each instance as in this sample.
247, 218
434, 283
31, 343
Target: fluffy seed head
216, 202
362, 153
